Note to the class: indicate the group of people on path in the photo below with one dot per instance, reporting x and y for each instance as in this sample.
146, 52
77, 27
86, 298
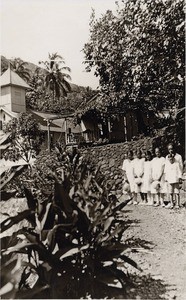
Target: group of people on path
153, 180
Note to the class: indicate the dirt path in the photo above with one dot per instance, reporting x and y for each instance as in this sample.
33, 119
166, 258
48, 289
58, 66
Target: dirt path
163, 233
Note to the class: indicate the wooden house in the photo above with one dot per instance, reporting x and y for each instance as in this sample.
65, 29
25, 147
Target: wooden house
116, 125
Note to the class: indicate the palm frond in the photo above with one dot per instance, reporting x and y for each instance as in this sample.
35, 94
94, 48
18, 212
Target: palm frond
65, 69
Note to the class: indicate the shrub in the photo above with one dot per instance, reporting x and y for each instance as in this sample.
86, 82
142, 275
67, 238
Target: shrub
74, 240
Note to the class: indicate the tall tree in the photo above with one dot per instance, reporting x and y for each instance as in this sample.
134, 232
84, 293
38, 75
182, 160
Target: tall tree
138, 54
56, 80
19, 66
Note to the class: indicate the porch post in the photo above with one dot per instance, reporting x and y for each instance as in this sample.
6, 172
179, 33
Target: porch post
65, 131
109, 127
48, 133
125, 127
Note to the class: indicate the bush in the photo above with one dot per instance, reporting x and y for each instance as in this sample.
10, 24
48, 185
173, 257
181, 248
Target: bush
74, 240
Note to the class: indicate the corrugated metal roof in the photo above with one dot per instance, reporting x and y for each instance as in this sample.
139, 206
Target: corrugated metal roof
44, 115
9, 77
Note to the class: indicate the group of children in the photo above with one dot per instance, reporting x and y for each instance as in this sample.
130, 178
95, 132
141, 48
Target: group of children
153, 181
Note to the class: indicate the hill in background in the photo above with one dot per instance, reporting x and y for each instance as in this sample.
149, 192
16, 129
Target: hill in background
32, 68
79, 95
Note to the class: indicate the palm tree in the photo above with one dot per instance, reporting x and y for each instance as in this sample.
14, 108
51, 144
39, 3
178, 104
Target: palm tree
19, 67
56, 79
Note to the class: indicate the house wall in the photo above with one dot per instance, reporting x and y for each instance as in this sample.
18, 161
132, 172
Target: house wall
4, 117
120, 130
117, 131
18, 99
132, 125
13, 98
6, 96
90, 130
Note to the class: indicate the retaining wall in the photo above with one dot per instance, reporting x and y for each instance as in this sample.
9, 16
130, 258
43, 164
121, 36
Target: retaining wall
111, 157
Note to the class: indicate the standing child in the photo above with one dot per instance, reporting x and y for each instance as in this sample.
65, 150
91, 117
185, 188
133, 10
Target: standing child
147, 179
173, 177
138, 170
127, 167
158, 182
177, 157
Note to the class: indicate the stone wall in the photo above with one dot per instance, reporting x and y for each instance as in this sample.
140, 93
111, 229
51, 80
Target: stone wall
110, 158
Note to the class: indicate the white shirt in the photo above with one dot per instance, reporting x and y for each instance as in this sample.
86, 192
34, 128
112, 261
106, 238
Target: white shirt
127, 167
147, 169
172, 172
178, 159
138, 167
158, 164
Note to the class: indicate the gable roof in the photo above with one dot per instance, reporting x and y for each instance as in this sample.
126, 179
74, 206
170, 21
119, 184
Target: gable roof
9, 77
10, 113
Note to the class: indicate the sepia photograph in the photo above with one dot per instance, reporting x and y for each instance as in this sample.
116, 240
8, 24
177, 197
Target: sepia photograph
92, 149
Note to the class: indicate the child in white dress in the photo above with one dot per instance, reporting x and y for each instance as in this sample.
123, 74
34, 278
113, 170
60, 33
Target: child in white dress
138, 170
158, 182
127, 167
147, 179
173, 177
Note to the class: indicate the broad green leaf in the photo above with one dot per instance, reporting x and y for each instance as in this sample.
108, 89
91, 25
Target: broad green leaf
121, 205
74, 251
18, 247
62, 198
129, 261
6, 224
87, 182
8, 291
32, 203
108, 223
115, 232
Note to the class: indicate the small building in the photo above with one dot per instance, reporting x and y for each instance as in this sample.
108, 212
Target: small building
13, 89
13, 102
115, 125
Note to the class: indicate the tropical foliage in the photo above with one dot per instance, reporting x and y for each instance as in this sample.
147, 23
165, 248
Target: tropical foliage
20, 67
56, 79
138, 54
25, 138
72, 245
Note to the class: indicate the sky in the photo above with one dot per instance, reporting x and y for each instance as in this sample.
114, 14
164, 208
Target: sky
30, 29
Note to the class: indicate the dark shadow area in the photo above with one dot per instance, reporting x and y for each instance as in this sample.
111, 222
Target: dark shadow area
137, 287
138, 243
146, 287
131, 222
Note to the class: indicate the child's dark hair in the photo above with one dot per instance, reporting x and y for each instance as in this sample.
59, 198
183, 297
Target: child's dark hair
130, 152
148, 153
171, 155
138, 151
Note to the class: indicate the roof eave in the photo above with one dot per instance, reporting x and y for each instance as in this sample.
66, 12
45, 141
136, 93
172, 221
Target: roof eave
12, 84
